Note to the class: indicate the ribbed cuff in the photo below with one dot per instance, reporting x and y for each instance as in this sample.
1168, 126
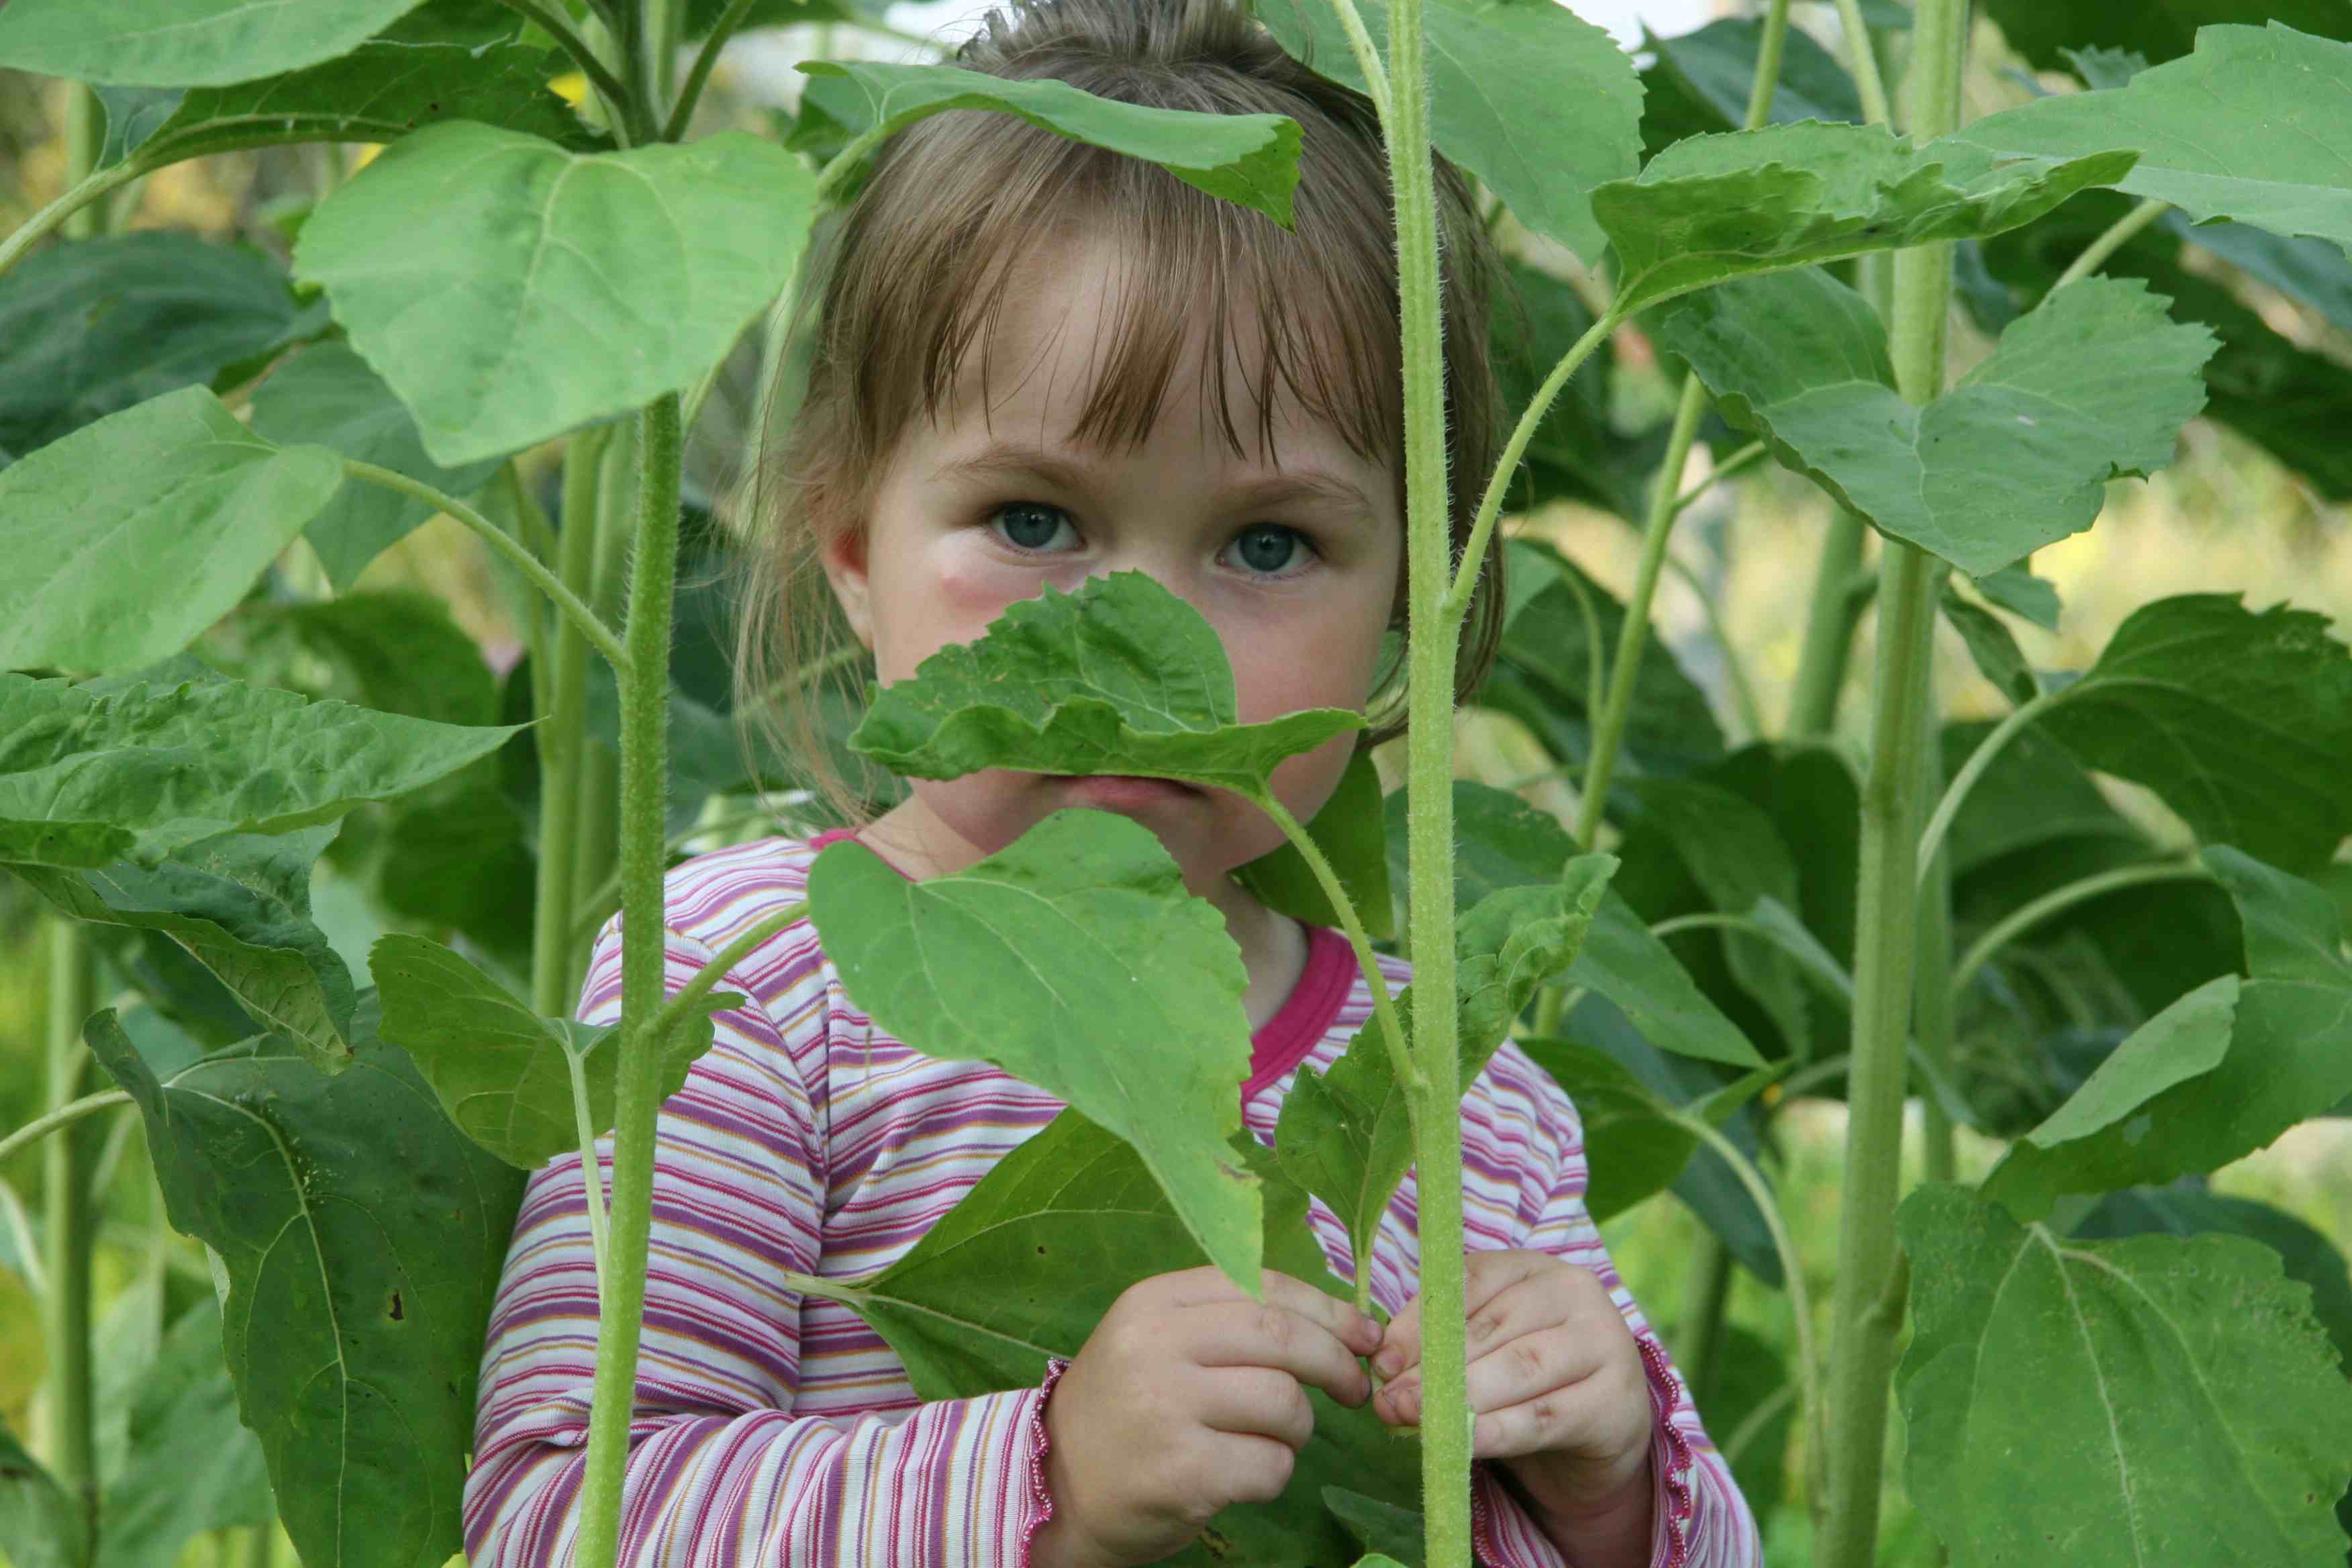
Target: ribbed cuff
1041, 1499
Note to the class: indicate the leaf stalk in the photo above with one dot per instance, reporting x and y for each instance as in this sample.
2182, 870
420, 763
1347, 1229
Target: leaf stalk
1368, 58
2057, 901
622, 109
2117, 235
1955, 794
76, 196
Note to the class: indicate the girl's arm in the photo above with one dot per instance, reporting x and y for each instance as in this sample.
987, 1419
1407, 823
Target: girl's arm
1699, 1517
720, 1469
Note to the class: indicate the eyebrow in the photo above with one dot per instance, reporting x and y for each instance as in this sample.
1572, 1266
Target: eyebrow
1009, 459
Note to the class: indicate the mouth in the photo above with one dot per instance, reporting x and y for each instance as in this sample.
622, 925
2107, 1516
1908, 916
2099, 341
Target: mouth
1125, 788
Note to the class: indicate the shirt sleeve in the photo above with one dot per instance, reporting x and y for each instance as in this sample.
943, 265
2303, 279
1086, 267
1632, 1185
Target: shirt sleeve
1699, 1518
720, 1469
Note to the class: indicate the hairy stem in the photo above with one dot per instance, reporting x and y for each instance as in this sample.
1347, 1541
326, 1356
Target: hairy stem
76, 196
1446, 1416
1368, 58
2057, 901
645, 720
561, 736
1931, 979
68, 1244
1887, 906
688, 998
598, 634
2118, 235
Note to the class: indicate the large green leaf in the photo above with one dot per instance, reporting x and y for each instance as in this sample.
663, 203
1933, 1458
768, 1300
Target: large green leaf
2046, 32
40, 1527
1026, 1266
1576, 452
327, 396
2218, 1074
1346, 1134
2153, 1400
2189, 1208
448, 59
2240, 719
90, 778
1251, 160
182, 43
1353, 836
1122, 676
397, 651
550, 288
502, 1072
1539, 104
1715, 207
240, 903
1074, 960
193, 1466
1634, 1145
89, 329
362, 1236
2095, 383
128, 538
2033, 795
2250, 127
1504, 842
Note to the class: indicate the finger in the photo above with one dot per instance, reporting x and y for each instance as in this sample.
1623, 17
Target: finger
1246, 1334
1256, 1399
1488, 1274
1202, 1287
1246, 1468
1533, 1303
1400, 1349
1602, 1413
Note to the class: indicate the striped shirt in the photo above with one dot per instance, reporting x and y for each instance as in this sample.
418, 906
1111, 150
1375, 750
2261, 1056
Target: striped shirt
769, 1427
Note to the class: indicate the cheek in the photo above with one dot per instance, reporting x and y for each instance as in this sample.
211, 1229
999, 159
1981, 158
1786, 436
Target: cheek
938, 592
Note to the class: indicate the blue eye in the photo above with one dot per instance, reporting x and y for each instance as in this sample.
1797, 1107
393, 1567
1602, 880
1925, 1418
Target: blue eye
1028, 524
1268, 548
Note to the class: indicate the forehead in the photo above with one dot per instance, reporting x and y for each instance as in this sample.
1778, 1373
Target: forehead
1091, 347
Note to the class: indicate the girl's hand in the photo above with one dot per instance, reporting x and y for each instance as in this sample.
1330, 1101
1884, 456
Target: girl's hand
1556, 1383
1188, 1397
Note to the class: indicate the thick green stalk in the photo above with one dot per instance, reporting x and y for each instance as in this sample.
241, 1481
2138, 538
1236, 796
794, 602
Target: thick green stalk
85, 142
595, 832
1445, 1411
561, 736
644, 722
1931, 978
1867, 1303
68, 1241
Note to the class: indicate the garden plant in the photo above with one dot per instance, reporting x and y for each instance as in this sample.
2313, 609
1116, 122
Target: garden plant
2105, 1362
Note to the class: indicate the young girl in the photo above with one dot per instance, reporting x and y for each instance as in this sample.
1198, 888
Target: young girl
1098, 428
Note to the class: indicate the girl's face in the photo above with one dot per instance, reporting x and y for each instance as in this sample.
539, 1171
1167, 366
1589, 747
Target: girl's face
1295, 566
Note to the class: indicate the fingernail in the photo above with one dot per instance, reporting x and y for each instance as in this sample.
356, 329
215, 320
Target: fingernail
1387, 1363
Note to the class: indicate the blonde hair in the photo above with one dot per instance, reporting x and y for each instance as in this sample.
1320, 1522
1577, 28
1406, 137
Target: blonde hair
918, 266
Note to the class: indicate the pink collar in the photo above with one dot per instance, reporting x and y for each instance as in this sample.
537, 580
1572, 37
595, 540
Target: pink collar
1305, 1015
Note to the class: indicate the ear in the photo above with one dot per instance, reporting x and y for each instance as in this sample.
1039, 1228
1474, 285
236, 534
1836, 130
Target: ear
843, 559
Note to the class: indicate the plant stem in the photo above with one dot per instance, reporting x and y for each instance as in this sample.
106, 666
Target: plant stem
84, 144
1861, 60
660, 32
1887, 906
2118, 235
1701, 1328
498, 538
1368, 61
76, 197
1625, 668
2058, 900
688, 998
591, 1169
1931, 840
1743, 691
1931, 978
627, 116
1830, 620
64, 1115
67, 1244
644, 718
1446, 1416
561, 736
1738, 463
1408, 1071
595, 824
691, 93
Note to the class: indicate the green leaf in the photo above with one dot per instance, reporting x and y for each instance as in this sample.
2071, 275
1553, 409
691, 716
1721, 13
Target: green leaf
550, 288
2034, 794
1251, 160
193, 1465
1353, 836
2048, 32
1576, 452
2246, 127
1539, 104
2016, 589
1505, 843
2218, 1074
1392, 1534
327, 396
1122, 676
446, 59
1543, 675
362, 1238
40, 1527
397, 651
240, 904
90, 778
2188, 1208
1346, 1134
90, 328
2095, 384
2153, 1400
1992, 648
1715, 207
182, 43
1701, 81
1028, 1264
1076, 960
128, 538
2239, 721
502, 1072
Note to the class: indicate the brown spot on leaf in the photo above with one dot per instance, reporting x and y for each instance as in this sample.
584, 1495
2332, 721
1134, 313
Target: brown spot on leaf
396, 1313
